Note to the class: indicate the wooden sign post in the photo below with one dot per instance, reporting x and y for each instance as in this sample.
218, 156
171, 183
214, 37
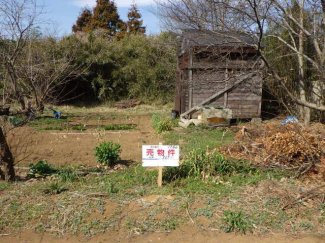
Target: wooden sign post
160, 173
160, 156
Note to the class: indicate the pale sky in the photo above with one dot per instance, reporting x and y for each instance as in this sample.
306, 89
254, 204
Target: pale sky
120, 3
65, 13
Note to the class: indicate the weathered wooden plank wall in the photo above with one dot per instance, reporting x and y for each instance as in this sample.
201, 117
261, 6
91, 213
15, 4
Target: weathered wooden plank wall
205, 71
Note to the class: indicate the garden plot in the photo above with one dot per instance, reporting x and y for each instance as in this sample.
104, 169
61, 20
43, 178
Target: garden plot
204, 198
72, 141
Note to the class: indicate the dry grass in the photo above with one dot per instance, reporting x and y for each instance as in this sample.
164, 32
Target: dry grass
103, 109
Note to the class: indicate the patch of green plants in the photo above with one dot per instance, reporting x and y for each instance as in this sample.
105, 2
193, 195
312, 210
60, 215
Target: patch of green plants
207, 212
139, 180
236, 221
202, 164
322, 211
16, 120
161, 124
79, 128
136, 226
4, 185
108, 153
111, 189
67, 175
51, 129
169, 224
164, 126
49, 121
306, 225
198, 138
119, 127
41, 169
54, 188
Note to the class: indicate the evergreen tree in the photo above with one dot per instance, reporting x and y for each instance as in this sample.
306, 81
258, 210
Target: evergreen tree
84, 21
105, 16
134, 23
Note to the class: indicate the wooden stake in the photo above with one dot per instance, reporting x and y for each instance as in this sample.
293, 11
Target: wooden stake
160, 174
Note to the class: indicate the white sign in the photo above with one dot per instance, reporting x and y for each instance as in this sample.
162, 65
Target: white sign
160, 155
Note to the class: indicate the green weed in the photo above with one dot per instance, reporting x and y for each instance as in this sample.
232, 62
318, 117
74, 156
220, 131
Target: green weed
169, 224
198, 138
49, 121
160, 124
119, 127
322, 211
236, 221
306, 225
202, 164
109, 186
54, 188
4, 185
108, 153
79, 128
51, 129
207, 212
67, 175
41, 169
164, 126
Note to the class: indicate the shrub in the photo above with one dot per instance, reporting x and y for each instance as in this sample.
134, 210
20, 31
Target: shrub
41, 169
107, 153
236, 221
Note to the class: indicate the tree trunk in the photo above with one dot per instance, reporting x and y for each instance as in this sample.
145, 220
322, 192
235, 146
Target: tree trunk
21, 100
2, 175
304, 111
7, 158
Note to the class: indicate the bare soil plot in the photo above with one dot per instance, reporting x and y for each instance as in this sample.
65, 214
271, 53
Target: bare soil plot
74, 147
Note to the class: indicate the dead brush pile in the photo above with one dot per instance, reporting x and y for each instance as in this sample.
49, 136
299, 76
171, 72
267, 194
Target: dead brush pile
291, 146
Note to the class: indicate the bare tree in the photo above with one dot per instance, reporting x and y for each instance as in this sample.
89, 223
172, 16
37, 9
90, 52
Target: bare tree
48, 67
302, 20
17, 20
32, 66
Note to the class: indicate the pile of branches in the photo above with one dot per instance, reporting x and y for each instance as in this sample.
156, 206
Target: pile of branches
123, 104
291, 146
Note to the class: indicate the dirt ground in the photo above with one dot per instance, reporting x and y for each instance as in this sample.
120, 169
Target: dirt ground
186, 233
73, 147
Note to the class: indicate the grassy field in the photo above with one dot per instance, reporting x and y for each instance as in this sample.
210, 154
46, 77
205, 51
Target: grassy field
233, 196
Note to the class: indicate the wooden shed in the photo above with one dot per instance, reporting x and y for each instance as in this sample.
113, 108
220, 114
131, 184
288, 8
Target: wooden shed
218, 70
